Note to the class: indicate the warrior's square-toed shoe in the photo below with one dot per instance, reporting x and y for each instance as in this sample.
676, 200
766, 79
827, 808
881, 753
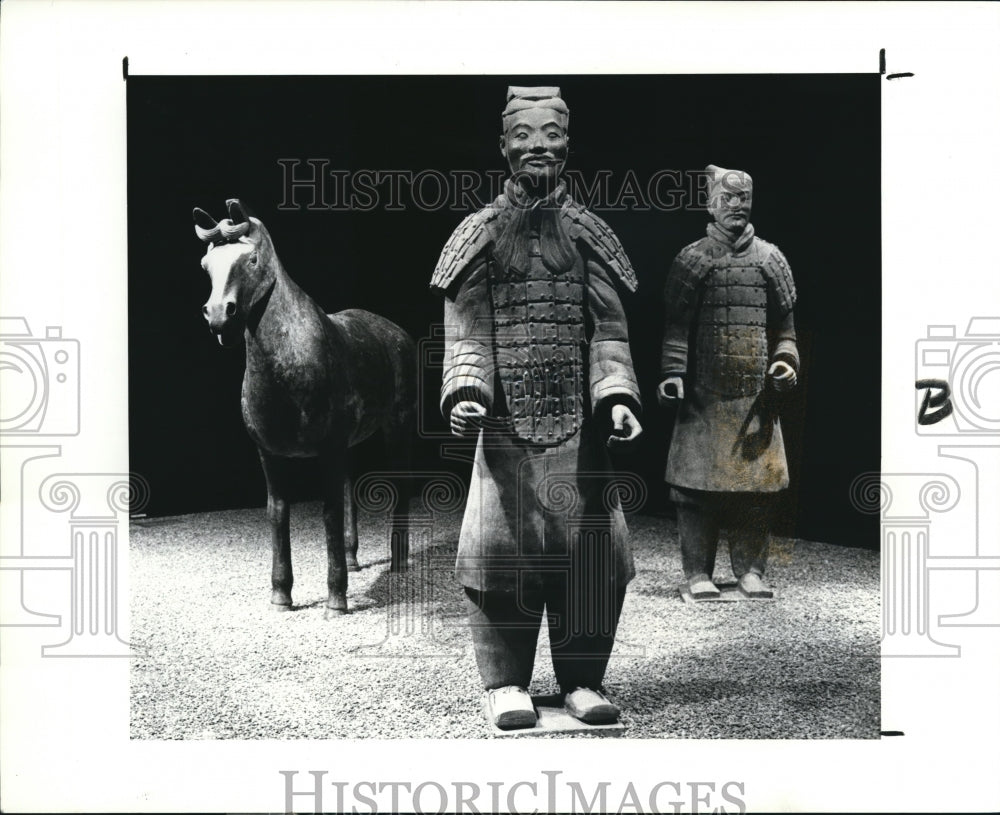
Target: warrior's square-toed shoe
752, 586
702, 587
591, 707
511, 708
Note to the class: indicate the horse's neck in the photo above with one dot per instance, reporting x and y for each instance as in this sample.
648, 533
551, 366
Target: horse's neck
282, 306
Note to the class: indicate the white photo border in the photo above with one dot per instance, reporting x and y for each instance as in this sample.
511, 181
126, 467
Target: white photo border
65, 743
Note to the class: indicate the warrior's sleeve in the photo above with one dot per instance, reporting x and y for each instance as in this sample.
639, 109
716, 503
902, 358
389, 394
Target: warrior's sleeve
781, 302
785, 348
679, 294
612, 377
468, 357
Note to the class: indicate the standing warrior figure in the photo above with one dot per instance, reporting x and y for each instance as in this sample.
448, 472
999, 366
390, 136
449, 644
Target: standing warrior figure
537, 367
728, 345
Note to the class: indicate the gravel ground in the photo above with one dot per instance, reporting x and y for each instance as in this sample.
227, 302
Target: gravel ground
216, 662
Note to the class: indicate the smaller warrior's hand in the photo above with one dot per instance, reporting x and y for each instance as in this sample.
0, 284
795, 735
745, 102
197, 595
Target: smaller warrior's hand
783, 376
671, 391
467, 418
626, 427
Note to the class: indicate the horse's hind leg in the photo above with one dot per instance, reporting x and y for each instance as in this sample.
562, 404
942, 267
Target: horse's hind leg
398, 440
350, 525
275, 473
334, 466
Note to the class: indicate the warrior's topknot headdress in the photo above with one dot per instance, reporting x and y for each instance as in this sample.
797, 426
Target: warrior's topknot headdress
722, 180
520, 98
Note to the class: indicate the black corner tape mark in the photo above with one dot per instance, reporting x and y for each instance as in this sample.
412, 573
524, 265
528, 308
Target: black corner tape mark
891, 733
125, 68
881, 67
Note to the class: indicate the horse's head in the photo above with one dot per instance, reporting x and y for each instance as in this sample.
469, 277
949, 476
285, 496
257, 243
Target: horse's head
239, 261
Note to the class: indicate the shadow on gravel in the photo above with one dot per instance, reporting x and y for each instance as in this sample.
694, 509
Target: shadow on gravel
430, 581
727, 692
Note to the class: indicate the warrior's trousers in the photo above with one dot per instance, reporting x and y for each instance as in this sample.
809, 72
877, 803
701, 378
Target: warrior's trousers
746, 515
582, 624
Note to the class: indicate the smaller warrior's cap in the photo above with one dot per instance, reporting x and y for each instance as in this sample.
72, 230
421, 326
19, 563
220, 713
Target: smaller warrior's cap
720, 179
546, 96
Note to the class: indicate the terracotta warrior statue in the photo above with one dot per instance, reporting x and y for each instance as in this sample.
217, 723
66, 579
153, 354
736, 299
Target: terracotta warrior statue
728, 348
538, 369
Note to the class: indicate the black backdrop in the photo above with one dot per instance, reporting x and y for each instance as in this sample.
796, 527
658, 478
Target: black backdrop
812, 144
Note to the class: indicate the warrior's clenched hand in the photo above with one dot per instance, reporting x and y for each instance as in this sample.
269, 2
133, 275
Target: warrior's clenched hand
626, 427
783, 376
670, 391
466, 418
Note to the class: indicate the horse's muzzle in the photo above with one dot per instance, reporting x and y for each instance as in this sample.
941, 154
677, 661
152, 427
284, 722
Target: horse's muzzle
230, 335
222, 321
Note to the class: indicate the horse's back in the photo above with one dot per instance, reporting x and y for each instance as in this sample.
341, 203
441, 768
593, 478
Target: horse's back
382, 358
367, 332
361, 324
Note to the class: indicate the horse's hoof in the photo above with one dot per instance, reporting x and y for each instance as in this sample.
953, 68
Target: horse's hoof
281, 606
332, 613
353, 565
399, 567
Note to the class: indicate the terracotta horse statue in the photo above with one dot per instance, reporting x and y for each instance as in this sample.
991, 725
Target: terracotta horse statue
316, 384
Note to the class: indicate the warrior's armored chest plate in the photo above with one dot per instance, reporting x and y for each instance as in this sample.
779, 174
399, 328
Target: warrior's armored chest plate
539, 335
731, 331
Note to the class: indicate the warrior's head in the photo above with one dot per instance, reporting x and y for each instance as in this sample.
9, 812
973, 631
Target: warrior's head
730, 196
535, 140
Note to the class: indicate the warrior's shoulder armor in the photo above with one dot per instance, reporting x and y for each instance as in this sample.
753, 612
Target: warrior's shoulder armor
582, 224
685, 275
779, 275
475, 233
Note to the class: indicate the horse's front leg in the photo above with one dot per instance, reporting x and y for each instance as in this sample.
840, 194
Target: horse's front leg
334, 466
276, 475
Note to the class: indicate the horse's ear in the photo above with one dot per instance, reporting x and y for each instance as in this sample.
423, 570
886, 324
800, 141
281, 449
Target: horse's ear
236, 212
205, 225
202, 218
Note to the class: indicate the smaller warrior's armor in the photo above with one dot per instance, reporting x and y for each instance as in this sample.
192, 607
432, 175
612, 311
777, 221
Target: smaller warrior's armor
729, 311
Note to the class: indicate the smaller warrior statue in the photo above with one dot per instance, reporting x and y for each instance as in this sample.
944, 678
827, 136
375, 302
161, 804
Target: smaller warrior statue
728, 347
